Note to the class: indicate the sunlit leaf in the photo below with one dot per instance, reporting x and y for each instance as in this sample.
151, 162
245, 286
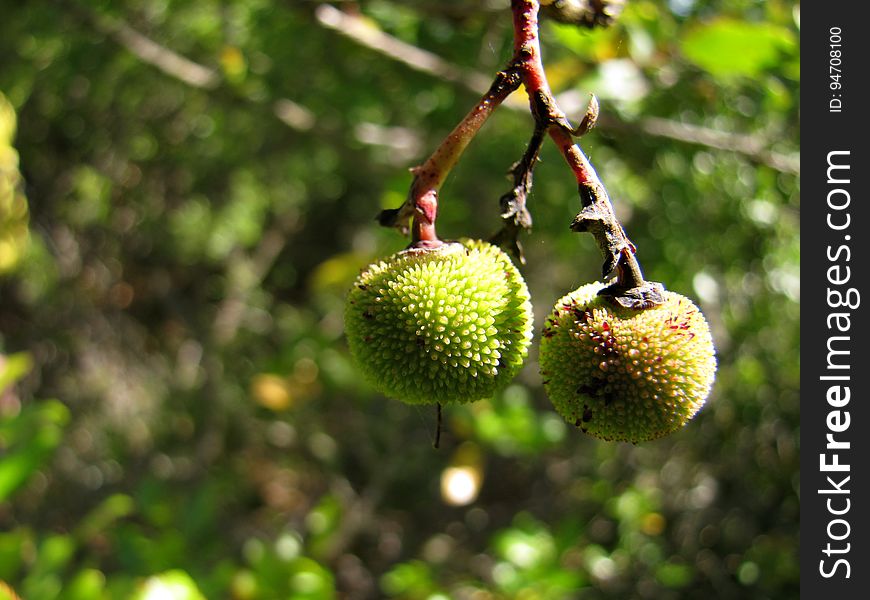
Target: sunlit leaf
87, 584
408, 580
728, 47
13, 367
7, 593
527, 545
171, 585
311, 581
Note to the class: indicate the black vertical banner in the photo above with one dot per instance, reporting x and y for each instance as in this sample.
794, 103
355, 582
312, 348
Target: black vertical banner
835, 298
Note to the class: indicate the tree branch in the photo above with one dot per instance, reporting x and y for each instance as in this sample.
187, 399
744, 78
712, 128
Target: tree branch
149, 51
178, 67
416, 58
751, 146
422, 202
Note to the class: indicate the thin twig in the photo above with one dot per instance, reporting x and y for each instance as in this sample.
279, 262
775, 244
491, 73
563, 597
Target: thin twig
748, 145
514, 211
585, 13
416, 58
178, 67
246, 273
149, 51
437, 443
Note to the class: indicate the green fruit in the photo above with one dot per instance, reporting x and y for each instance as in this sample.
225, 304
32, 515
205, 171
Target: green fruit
626, 374
451, 324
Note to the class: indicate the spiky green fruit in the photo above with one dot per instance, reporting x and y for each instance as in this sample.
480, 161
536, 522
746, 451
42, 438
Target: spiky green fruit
626, 374
451, 324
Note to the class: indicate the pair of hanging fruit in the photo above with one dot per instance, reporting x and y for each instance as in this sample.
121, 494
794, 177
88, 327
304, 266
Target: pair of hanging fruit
451, 322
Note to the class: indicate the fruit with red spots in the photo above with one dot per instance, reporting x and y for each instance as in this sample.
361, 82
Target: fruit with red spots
626, 374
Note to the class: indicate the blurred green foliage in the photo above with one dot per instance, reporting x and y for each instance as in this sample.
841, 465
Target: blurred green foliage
187, 189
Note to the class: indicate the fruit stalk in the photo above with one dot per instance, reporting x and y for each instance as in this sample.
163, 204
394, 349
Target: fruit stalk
596, 215
421, 206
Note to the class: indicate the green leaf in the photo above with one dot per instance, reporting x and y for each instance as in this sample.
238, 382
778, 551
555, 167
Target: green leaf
674, 575
527, 545
310, 581
13, 367
599, 43
45, 577
409, 580
116, 506
13, 546
171, 585
727, 47
7, 593
323, 522
29, 439
88, 584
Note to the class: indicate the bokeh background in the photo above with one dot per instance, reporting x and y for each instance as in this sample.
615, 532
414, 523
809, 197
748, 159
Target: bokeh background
187, 190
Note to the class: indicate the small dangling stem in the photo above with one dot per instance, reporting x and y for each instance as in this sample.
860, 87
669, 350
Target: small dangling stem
437, 442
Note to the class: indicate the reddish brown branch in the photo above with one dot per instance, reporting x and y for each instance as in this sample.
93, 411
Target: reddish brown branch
596, 216
422, 203
527, 46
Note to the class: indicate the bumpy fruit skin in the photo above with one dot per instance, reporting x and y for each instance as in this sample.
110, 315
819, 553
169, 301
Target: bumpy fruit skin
446, 325
624, 374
